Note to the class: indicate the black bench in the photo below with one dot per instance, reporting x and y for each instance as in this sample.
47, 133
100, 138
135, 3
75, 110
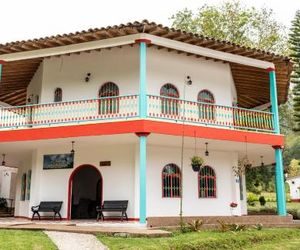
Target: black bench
47, 206
113, 206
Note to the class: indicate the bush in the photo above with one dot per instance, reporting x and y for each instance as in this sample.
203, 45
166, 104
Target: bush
233, 227
258, 226
195, 225
293, 212
262, 200
298, 214
251, 198
3, 203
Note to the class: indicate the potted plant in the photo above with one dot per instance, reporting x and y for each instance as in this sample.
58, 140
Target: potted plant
233, 206
196, 162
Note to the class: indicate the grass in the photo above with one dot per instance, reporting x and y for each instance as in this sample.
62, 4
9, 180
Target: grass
272, 205
249, 239
25, 240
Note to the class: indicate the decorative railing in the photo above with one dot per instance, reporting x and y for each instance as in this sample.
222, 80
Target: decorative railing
209, 114
121, 107
127, 107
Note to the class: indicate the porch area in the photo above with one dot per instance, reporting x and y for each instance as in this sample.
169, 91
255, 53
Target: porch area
120, 179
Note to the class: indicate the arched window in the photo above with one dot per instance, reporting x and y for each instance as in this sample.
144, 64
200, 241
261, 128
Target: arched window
206, 111
58, 95
169, 105
171, 179
108, 105
207, 183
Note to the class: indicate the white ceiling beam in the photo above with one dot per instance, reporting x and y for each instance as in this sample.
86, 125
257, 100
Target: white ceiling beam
194, 49
72, 48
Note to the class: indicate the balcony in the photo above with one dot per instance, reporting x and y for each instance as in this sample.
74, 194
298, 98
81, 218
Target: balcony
127, 107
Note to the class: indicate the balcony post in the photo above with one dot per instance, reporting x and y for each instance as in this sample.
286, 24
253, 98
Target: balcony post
143, 77
142, 175
279, 179
273, 99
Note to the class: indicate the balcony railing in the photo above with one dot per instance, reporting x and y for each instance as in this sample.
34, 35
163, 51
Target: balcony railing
209, 114
72, 112
127, 107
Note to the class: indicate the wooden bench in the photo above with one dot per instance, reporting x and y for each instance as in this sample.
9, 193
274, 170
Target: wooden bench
47, 206
113, 206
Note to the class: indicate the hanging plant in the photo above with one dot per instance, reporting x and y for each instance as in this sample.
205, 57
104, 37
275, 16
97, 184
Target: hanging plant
196, 162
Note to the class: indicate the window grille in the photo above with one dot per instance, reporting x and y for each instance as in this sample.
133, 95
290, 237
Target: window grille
207, 183
171, 181
169, 106
108, 105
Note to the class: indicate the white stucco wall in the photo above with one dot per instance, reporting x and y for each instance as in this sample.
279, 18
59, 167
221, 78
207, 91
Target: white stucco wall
121, 65
170, 67
34, 88
227, 192
52, 185
121, 179
294, 184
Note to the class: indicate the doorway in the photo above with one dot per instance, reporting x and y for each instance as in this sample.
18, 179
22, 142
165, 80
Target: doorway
85, 186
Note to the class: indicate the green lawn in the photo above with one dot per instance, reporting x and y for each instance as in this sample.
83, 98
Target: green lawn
250, 239
258, 207
25, 240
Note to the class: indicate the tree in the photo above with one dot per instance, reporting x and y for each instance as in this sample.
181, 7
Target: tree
293, 169
286, 116
294, 41
234, 22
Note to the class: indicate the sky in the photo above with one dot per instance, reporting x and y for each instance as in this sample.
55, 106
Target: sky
28, 19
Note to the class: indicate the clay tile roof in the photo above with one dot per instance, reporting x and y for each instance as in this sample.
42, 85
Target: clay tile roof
247, 94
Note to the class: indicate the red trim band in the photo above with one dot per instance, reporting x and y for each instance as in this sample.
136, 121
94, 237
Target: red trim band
140, 126
2, 62
143, 40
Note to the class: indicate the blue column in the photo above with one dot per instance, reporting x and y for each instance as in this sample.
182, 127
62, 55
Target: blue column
143, 170
279, 179
273, 97
143, 77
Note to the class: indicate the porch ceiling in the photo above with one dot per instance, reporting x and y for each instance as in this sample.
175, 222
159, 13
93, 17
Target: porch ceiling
251, 83
21, 150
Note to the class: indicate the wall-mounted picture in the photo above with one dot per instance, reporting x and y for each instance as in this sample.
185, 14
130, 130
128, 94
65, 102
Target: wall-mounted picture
58, 161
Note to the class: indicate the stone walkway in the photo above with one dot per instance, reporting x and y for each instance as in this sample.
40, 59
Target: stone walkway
75, 241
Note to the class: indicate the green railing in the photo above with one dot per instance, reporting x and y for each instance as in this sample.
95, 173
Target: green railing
209, 114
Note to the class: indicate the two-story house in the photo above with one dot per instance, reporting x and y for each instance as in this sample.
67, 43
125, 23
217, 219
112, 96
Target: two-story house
117, 113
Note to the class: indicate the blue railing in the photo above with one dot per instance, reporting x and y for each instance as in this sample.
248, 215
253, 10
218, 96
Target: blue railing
209, 114
107, 108
127, 107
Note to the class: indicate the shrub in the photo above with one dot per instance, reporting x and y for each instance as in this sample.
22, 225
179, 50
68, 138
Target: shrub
195, 225
293, 212
233, 227
3, 203
251, 198
298, 214
258, 226
262, 200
